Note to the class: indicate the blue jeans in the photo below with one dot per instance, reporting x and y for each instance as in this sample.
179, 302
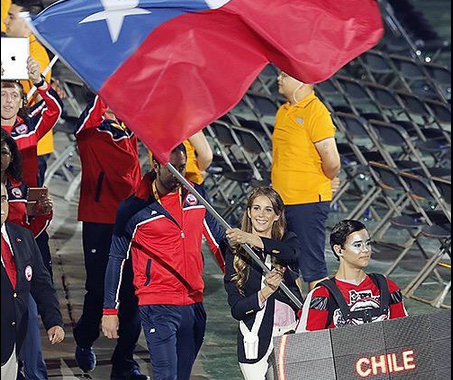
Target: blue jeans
34, 365
308, 222
174, 335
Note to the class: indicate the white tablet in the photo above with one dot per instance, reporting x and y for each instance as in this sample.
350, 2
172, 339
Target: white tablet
15, 53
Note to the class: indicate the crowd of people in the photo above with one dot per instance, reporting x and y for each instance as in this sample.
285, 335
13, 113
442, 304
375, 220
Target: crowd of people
143, 235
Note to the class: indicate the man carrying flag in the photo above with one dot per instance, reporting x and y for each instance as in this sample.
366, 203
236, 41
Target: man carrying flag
161, 229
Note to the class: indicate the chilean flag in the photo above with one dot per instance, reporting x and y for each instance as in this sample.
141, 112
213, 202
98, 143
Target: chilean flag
168, 68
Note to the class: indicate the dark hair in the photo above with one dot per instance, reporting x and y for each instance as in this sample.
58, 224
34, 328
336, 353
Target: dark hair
181, 148
15, 168
23, 112
32, 6
341, 232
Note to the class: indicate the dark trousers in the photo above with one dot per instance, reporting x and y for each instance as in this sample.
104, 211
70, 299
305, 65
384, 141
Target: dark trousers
96, 246
42, 168
43, 244
174, 335
43, 239
308, 222
34, 365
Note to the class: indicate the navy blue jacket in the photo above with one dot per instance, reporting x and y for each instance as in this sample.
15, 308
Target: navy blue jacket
32, 277
244, 307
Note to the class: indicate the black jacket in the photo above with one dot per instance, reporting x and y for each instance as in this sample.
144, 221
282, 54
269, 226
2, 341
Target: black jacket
32, 277
245, 307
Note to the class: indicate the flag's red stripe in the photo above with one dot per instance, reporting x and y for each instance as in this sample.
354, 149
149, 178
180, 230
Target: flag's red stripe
194, 68
175, 86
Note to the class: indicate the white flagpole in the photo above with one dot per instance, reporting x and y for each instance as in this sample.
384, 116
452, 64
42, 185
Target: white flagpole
225, 225
44, 73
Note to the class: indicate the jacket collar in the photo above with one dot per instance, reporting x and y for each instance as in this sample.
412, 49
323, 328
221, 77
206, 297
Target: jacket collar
145, 193
145, 190
12, 182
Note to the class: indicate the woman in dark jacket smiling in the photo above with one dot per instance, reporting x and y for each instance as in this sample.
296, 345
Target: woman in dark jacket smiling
262, 309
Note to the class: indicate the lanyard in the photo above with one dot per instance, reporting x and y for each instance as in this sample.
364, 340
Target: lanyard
119, 126
157, 197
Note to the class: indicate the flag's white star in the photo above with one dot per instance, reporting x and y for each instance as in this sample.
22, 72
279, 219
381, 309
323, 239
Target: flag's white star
215, 4
114, 13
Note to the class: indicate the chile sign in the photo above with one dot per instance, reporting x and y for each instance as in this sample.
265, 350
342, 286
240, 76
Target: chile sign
415, 348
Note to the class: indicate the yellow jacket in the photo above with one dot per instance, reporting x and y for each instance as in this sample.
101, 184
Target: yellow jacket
6, 4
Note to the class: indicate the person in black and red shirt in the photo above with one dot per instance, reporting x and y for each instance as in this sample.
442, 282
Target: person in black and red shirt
17, 190
353, 297
31, 355
110, 174
28, 126
161, 229
23, 273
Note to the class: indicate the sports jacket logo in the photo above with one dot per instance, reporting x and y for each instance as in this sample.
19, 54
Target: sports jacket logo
17, 193
21, 129
28, 273
192, 200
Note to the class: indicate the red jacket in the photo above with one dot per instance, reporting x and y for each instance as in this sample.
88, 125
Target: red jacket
110, 164
27, 133
17, 200
166, 253
320, 313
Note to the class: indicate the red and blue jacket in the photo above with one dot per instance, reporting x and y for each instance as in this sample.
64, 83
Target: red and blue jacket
110, 164
17, 200
27, 132
166, 254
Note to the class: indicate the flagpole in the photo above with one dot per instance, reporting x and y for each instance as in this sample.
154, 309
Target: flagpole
44, 74
225, 225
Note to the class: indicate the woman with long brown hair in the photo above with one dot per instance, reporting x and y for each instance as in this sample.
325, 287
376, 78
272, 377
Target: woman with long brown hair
256, 301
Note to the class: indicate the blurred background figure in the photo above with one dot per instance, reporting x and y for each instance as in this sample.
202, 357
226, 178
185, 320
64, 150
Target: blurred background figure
305, 162
110, 174
199, 157
5, 8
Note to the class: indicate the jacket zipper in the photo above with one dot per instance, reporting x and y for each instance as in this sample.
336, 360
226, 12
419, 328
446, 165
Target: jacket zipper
148, 272
100, 183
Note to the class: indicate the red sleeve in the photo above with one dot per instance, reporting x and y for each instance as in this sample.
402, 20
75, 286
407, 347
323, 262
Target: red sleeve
18, 215
39, 224
315, 312
397, 308
47, 114
93, 116
110, 312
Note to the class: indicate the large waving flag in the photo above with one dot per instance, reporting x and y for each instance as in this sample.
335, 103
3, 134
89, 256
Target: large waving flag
168, 68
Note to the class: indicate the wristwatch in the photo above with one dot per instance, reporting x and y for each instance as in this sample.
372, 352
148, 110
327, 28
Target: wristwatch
40, 83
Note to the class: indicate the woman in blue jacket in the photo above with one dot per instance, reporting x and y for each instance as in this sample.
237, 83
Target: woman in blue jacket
262, 309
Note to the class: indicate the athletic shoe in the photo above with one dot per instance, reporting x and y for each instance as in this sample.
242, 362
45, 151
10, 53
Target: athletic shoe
86, 359
135, 375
